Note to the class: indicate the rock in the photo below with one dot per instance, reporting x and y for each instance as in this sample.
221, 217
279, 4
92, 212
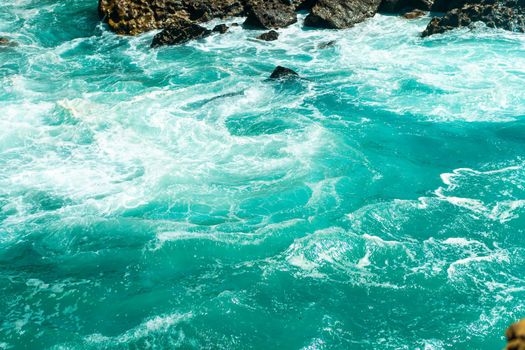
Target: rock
303, 4
339, 14
397, 6
133, 17
280, 73
270, 14
516, 336
7, 42
327, 44
176, 35
269, 36
504, 15
220, 28
414, 14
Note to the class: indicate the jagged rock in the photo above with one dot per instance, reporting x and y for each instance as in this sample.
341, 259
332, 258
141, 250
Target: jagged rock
270, 14
220, 28
397, 6
180, 34
339, 14
414, 14
133, 17
280, 73
516, 336
269, 36
504, 15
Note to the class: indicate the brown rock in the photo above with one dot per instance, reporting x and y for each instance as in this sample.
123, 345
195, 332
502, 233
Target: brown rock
133, 17
516, 336
414, 14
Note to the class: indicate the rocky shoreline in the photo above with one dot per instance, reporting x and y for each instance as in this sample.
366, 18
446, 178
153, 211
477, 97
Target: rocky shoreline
180, 19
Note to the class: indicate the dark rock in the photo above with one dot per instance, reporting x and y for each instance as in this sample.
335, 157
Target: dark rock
304, 4
271, 14
234, 24
176, 35
220, 28
339, 14
398, 6
133, 17
269, 36
504, 15
327, 44
280, 73
414, 14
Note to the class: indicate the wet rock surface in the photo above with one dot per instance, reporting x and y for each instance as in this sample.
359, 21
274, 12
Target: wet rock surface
270, 15
220, 28
283, 73
339, 14
180, 34
272, 35
504, 15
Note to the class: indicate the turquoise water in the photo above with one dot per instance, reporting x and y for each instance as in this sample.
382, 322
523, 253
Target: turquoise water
174, 198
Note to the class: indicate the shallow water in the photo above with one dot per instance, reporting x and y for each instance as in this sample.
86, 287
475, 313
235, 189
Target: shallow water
175, 198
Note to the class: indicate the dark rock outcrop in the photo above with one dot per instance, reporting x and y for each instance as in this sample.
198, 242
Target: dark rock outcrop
516, 336
339, 14
270, 14
282, 73
269, 36
504, 15
220, 28
397, 6
180, 34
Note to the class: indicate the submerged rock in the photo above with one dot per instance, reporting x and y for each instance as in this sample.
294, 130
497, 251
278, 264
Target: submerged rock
504, 15
269, 36
327, 44
176, 35
270, 15
516, 336
339, 14
5, 42
220, 28
280, 73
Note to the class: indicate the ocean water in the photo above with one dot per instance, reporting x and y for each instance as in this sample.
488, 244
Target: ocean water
175, 198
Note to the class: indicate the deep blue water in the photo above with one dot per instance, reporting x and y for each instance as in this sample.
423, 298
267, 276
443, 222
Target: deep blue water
175, 198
